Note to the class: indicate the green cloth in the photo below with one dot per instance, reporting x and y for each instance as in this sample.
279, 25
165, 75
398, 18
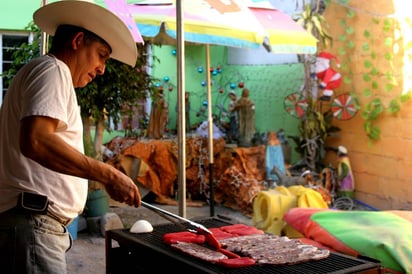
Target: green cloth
382, 235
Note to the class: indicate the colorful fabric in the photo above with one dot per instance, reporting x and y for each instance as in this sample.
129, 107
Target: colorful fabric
234, 25
382, 235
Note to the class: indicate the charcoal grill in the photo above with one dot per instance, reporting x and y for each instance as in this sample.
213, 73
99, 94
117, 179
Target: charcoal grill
146, 253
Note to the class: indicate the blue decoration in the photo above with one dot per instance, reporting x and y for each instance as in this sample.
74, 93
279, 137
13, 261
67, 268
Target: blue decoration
200, 69
157, 84
204, 103
232, 86
203, 83
174, 52
214, 72
166, 78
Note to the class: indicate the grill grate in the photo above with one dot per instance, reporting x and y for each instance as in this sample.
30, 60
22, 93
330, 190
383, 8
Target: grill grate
151, 243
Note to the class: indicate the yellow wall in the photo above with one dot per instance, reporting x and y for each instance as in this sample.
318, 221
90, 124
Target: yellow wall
382, 170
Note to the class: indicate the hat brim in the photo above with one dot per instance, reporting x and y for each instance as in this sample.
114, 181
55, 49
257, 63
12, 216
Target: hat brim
94, 18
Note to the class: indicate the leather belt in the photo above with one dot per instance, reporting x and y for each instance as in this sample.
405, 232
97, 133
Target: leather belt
63, 221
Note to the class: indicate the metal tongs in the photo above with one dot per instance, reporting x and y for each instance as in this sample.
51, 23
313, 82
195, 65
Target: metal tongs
197, 228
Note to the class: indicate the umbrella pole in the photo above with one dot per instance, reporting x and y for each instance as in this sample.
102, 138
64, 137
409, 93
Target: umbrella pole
210, 132
43, 41
181, 138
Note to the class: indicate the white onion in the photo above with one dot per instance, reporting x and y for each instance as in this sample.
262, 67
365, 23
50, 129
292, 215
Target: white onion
141, 226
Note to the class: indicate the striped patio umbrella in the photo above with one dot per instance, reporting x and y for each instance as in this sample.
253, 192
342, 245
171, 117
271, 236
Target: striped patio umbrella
245, 24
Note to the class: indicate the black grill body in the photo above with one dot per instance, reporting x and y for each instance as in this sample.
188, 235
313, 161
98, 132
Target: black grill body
137, 252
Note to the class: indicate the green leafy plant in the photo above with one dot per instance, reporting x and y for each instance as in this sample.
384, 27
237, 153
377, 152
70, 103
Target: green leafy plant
314, 22
116, 94
24, 53
112, 95
377, 79
316, 125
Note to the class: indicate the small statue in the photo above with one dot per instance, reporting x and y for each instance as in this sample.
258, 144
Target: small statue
187, 112
233, 119
345, 176
158, 117
245, 109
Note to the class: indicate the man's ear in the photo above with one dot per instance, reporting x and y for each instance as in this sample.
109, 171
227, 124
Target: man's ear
77, 40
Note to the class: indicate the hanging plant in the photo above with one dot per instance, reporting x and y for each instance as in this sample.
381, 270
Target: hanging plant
314, 22
376, 78
315, 125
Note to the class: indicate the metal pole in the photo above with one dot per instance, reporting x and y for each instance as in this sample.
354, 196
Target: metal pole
181, 128
43, 41
210, 131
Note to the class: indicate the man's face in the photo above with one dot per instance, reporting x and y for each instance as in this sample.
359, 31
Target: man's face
91, 57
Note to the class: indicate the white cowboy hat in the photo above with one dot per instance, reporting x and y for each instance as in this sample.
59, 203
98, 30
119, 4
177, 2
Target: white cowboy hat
90, 16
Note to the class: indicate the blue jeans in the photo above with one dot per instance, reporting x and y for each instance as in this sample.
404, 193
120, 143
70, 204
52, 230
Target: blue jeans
32, 244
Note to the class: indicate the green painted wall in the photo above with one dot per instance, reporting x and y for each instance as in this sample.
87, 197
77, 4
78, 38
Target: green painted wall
268, 85
17, 14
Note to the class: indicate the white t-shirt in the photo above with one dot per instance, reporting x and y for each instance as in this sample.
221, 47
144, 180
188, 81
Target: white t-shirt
43, 87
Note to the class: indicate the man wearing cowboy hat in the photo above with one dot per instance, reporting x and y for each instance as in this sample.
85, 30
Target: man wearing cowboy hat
43, 169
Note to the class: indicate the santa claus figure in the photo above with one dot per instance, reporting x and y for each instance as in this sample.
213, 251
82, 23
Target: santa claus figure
329, 79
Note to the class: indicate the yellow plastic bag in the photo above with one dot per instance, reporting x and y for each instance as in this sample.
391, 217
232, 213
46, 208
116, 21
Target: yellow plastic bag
270, 206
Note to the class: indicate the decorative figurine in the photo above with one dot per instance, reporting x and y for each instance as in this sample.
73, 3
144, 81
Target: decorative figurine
158, 117
328, 77
245, 109
345, 176
233, 118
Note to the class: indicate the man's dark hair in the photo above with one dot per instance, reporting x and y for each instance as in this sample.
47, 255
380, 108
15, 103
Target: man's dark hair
65, 33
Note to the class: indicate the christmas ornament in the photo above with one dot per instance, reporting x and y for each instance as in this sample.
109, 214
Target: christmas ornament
344, 107
295, 104
329, 78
